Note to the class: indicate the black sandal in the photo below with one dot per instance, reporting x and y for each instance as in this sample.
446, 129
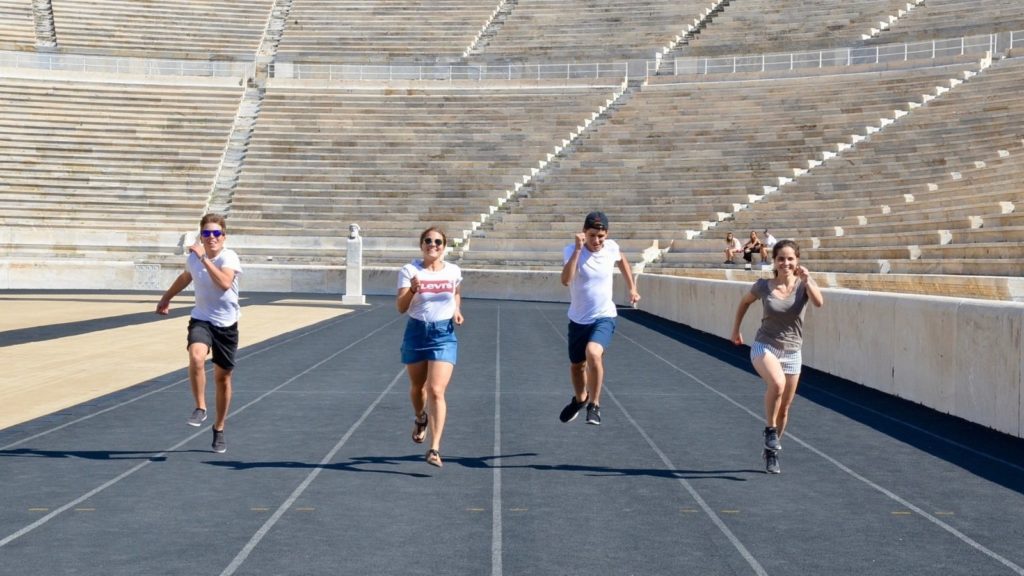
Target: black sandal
419, 429
434, 458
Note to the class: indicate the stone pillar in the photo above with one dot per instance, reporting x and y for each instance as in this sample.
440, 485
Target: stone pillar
354, 268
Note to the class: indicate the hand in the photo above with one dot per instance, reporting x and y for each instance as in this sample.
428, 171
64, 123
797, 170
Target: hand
581, 239
198, 249
414, 285
802, 273
163, 307
458, 318
737, 338
634, 298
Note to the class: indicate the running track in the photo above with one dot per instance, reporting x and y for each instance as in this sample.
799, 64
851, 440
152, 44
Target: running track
320, 476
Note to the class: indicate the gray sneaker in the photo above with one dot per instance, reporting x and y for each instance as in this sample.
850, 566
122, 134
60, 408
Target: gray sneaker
771, 462
771, 439
593, 414
197, 418
219, 446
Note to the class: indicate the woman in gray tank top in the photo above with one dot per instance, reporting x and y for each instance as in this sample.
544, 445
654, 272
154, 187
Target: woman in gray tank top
775, 352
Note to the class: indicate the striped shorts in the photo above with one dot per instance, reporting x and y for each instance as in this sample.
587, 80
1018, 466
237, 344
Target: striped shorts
791, 361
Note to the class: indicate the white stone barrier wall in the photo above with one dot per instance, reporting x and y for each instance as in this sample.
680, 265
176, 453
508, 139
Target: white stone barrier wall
961, 357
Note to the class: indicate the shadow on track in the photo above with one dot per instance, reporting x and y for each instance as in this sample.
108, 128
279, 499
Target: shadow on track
359, 463
93, 454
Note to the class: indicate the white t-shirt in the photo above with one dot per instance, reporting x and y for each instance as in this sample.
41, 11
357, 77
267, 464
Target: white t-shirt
590, 291
216, 306
770, 240
435, 299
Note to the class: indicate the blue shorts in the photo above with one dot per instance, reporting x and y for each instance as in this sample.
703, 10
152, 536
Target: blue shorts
429, 341
581, 334
791, 361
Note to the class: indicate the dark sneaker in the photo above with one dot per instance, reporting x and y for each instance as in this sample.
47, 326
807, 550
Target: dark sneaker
571, 409
771, 439
197, 418
219, 445
771, 462
593, 414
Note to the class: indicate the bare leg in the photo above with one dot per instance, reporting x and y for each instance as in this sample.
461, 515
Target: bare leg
595, 372
417, 393
770, 370
438, 376
418, 398
792, 381
197, 352
223, 380
578, 375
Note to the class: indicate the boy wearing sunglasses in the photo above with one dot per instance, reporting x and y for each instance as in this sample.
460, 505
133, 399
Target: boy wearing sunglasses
213, 271
588, 270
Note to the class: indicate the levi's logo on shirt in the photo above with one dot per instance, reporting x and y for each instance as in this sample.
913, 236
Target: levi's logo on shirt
436, 286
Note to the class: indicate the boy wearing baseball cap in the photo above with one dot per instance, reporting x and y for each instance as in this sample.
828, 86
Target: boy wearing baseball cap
589, 266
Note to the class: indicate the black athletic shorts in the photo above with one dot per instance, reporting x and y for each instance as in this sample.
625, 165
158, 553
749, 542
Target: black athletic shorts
222, 341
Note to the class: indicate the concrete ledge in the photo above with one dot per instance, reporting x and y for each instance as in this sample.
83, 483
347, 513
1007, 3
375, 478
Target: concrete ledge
959, 356
427, 84
113, 78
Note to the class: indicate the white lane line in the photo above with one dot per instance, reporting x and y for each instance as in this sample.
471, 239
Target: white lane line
496, 536
142, 465
963, 537
715, 518
699, 345
754, 564
263, 530
178, 382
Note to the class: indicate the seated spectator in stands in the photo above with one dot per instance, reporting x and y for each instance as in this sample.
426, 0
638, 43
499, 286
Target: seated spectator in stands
753, 245
766, 245
732, 248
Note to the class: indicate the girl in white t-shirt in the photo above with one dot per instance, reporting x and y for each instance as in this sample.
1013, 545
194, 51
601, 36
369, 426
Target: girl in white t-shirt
429, 290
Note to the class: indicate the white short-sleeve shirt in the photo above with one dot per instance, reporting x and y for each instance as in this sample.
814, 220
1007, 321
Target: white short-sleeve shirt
435, 299
590, 291
216, 306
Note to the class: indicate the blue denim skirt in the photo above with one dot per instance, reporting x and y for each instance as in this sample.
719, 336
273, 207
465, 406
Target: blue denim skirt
429, 341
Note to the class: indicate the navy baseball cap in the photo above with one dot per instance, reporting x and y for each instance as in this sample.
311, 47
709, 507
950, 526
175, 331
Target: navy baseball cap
596, 220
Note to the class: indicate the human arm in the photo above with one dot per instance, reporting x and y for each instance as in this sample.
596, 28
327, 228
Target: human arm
222, 277
813, 291
741, 311
163, 307
569, 269
406, 294
627, 274
458, 306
